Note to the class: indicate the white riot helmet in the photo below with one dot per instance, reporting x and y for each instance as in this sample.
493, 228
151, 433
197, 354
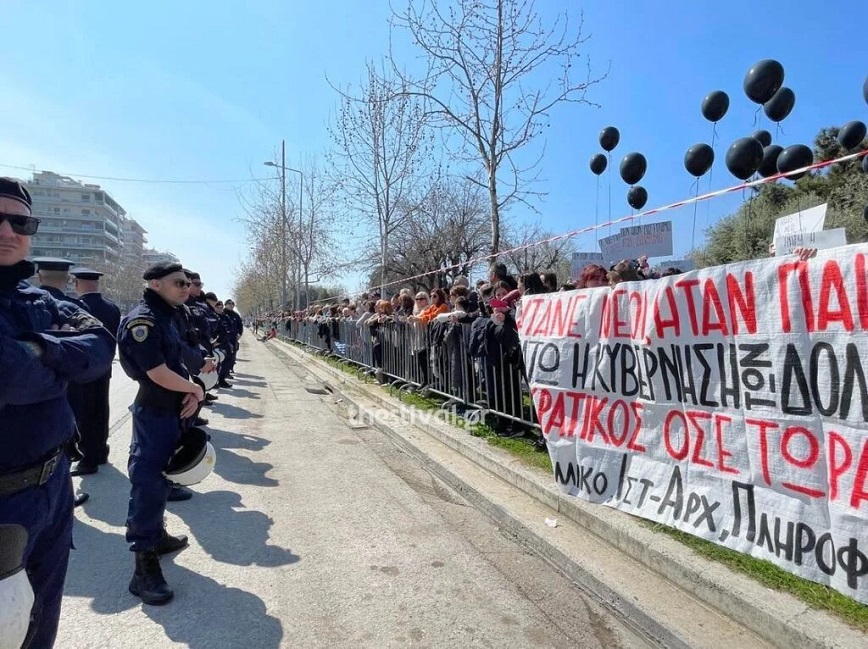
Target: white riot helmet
16, 594
219, 355
207, 380
193, 460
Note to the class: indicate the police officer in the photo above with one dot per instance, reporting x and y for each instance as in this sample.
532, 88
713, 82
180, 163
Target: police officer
202, 320
93, 422
44, 343
151, 353
222, 337
54, 278
229, 310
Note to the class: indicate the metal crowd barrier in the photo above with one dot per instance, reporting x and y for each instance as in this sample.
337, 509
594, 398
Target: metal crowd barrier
439, 359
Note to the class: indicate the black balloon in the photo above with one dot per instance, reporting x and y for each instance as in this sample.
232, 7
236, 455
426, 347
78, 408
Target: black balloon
769, 165
795, 157
763, 137
609, 138
637, 197
598, 164
780, 105
633, 168
743, 157
865, 164
763, 80
715, 105
851, 134
865, 90
698, 159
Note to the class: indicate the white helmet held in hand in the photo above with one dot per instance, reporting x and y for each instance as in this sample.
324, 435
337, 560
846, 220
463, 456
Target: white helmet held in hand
193, 460
16, 595
207, 380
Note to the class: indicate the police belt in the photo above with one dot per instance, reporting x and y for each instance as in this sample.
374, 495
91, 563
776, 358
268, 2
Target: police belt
37, 475
151, 395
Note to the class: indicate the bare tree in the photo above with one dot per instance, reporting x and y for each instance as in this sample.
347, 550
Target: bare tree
381, 142
449, 230
525, 255
494, 72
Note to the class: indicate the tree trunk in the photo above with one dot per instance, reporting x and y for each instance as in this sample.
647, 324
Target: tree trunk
495, 215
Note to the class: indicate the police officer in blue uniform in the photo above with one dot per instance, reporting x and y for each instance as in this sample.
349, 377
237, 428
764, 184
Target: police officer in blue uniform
201, 318
54, 278
232, 314
222, 336
151, 353
93, 422
44, 343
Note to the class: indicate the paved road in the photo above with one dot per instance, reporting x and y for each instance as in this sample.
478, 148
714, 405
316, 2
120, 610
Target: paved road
313, 534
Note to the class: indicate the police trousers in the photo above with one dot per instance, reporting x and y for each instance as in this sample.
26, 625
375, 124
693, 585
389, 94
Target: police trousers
93, 420
46, 513
155, 437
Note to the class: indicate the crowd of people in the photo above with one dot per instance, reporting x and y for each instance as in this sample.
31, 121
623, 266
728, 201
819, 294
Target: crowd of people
461, 341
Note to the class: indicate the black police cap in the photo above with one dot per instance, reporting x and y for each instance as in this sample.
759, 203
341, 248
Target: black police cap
210, 295
86, 273
191, 274
52, 263
161, 269
14, 189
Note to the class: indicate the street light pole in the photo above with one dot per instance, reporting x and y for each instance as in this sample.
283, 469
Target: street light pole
284, 226
285, 221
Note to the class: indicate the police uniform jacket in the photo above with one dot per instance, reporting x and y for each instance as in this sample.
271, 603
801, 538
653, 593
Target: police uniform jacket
148, 337
193, 352
35, 417
199, 315
237, 321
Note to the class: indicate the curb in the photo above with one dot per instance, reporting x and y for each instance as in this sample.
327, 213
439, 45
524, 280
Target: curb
776, 617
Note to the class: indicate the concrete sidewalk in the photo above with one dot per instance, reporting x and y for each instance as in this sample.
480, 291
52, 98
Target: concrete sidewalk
311, 534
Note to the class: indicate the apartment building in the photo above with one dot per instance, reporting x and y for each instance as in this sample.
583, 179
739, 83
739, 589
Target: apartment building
80, 222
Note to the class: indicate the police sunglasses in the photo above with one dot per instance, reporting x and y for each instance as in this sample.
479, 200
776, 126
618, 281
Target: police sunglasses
24, 225
182, 283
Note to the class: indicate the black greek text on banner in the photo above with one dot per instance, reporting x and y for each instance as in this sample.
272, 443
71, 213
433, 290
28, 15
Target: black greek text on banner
729, 402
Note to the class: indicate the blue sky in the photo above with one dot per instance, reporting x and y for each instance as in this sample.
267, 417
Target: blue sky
206, 90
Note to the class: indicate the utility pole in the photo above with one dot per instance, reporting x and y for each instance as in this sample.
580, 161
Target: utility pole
284, 254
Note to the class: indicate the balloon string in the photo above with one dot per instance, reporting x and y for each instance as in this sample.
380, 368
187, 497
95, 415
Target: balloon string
749, 202
710, 175
695, 209
597, 210
779, 130
609, 167
757, 119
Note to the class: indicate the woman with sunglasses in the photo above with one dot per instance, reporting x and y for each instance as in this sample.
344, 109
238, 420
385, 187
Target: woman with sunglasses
44, 344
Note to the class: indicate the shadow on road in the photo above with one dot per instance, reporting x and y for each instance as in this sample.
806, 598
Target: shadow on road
235, 391
242, 470
100, 569
227, 439
208, 615
233, 412
231, 536
109, 495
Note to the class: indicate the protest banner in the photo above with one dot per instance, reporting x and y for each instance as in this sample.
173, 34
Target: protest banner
728, 402
803, 221
651, 239
821, 240
579, 260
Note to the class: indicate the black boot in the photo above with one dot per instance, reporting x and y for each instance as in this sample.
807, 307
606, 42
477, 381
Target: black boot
169, 543
148, 582
223, 383
178, 493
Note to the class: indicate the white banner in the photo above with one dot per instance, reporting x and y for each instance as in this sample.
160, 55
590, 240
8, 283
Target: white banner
810, 220
821, 240
728, 402
651, 239
581, 259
